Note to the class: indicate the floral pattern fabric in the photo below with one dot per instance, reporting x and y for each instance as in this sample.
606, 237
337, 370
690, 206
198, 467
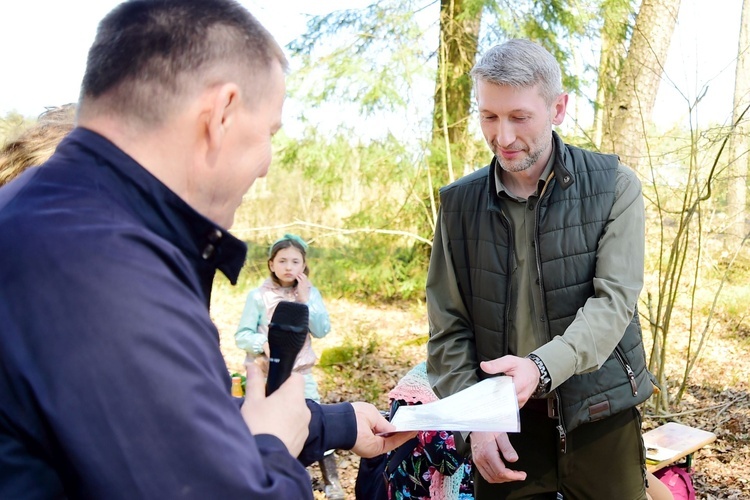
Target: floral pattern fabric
434, 453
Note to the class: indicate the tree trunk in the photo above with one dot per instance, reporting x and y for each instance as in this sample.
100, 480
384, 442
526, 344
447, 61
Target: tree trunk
614, 35
624, 131
459, 35
739, 141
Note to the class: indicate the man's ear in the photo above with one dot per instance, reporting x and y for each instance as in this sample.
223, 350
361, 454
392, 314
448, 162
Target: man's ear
558, 109
224, 103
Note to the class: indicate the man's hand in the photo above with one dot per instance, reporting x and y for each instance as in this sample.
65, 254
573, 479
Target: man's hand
486, 450
262, 360
371, 422
283, 414
524, 372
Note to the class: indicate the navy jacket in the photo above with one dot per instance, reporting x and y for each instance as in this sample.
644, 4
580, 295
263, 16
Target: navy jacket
112, 383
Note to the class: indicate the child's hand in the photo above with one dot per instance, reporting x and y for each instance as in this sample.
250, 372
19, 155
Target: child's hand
303, 288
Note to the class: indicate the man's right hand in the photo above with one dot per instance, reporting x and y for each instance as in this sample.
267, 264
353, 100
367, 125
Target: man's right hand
371, 427
283, 414
486, 451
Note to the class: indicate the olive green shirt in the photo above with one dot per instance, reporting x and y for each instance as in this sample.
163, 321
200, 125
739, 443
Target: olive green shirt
589, 340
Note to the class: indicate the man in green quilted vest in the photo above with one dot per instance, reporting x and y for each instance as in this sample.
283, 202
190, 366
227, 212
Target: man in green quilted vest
535, 272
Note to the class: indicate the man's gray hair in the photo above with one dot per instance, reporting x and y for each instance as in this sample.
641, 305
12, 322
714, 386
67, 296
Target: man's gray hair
521, 63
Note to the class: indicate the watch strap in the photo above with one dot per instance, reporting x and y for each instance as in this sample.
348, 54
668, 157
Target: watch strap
544, 378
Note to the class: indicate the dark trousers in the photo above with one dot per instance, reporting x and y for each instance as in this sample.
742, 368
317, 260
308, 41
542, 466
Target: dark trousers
604, 460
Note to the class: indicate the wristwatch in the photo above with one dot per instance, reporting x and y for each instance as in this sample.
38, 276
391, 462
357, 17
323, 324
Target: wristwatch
544, 379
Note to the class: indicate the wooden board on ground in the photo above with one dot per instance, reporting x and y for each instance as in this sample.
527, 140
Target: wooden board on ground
671, 442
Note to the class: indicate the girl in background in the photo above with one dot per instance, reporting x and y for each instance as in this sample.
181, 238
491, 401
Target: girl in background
289, 281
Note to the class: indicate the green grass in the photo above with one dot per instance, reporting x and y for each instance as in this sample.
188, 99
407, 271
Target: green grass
345, 365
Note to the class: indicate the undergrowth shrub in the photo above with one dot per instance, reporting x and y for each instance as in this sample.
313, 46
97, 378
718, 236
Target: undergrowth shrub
372, 270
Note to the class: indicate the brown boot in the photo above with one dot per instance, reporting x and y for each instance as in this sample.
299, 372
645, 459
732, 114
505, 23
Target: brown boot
333, 488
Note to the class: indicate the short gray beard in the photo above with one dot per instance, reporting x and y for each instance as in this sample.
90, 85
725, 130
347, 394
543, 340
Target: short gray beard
514, 167
525, 164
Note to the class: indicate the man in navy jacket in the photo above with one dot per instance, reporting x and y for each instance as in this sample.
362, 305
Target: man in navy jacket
112, 383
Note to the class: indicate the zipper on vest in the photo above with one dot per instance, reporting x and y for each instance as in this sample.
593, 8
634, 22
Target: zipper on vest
561, 432
563, 439
538, 262
629, 371
511, 246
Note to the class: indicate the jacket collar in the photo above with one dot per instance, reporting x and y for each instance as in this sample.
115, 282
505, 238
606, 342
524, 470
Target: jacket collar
560, 172
162, 210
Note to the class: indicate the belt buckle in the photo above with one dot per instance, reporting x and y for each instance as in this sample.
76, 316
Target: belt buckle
552, 408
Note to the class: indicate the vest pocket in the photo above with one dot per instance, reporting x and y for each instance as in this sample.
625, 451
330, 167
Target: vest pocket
628, 370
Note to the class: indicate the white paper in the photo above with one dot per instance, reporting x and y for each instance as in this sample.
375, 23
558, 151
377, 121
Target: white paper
490, 406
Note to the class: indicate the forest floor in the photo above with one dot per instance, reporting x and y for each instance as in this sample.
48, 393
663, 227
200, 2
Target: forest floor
384, 342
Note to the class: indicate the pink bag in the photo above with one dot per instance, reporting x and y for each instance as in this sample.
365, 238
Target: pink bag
678, 480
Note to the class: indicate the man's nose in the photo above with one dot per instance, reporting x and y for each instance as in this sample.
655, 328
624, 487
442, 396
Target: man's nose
505, 134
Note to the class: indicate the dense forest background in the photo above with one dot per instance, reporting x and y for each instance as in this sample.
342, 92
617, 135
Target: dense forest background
367, 200
366, 197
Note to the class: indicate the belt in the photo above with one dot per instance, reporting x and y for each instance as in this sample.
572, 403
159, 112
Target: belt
546, 406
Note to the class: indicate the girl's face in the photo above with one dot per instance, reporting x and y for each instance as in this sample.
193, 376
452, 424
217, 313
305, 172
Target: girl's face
287, 264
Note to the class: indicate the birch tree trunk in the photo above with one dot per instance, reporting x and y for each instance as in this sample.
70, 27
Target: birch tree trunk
739, 141
628, 115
